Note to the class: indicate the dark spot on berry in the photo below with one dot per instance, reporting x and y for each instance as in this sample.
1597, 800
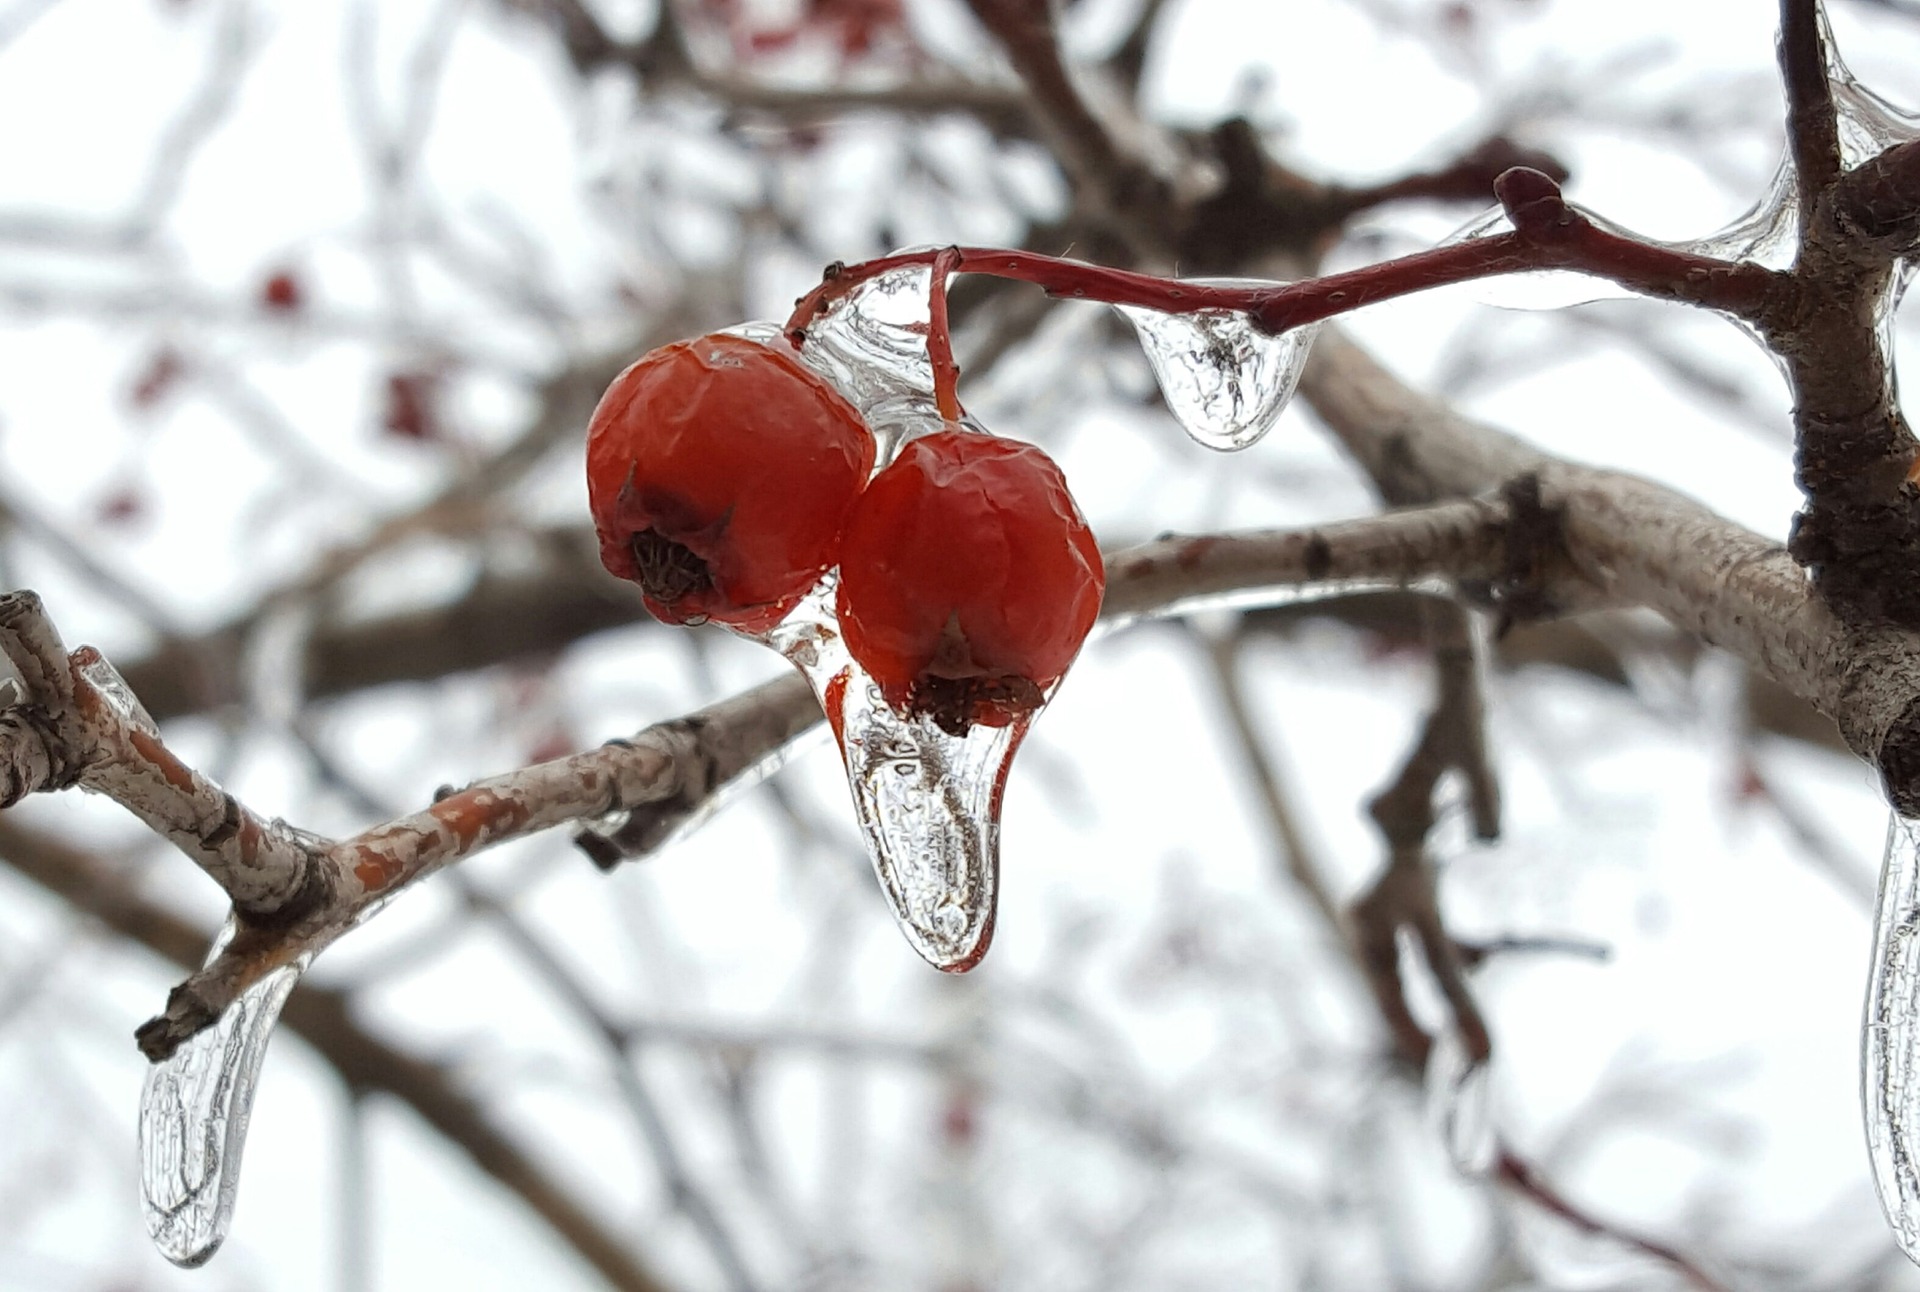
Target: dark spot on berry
668, 570
956, 703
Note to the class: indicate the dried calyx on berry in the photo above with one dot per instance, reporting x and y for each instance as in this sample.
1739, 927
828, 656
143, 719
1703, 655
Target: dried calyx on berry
968, 580
720, 471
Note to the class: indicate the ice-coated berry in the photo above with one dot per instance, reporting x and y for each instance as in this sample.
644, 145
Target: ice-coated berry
720, 471
968, 579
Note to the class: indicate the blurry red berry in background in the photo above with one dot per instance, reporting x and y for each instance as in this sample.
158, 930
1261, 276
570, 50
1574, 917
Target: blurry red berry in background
163, 370
411, 411
121, 507
282, 292
968, 579
719, 471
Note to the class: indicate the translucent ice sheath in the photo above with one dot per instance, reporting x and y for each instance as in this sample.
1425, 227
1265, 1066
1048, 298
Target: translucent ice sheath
194, 1111
1890, 1037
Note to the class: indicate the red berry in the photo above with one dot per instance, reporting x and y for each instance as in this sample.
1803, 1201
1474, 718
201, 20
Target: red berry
720, 471
282, 292
968, 579
412, 407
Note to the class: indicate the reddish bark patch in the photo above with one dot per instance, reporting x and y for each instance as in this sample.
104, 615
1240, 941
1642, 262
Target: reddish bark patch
177, 773
375, 870
478, 813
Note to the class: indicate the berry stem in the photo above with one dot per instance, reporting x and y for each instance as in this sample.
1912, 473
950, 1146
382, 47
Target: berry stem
1548, 234
946, 373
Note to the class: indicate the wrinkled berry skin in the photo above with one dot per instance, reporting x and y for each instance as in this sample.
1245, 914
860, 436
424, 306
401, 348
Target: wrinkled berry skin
968, 579
720, 471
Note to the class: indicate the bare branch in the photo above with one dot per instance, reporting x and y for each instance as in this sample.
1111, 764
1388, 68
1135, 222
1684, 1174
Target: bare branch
1452, 739
1295, 853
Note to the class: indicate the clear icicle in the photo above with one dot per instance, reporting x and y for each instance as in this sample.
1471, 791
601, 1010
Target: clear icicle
194, 1112
1460, 1105
1890, 1037
1225, 381
928, 803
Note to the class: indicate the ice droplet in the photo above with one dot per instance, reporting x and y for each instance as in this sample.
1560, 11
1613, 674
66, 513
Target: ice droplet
1890, 1037
194, 1111
1225, 381
928, 803
1460, 1105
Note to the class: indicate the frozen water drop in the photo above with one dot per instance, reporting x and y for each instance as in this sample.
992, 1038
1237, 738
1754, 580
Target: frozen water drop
1460, 1104
1225, 381
1890, 1039
194, 1111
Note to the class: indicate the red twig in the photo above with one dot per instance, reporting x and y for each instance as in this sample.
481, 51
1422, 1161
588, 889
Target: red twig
946, 373
1548, 234
1517, 1174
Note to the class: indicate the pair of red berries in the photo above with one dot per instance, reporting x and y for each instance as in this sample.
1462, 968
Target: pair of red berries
726, 477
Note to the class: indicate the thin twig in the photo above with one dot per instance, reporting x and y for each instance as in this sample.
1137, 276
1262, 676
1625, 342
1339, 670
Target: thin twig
1451, 740
1516, 1174
1294, 851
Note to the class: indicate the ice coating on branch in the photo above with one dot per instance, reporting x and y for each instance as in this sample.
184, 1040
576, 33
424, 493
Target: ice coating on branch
928, 803
194, 1111
1890, 1038
1460, 1105
1225, 381
1768, 233
1537, 289
1263, 598
1868, 124
114, 690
